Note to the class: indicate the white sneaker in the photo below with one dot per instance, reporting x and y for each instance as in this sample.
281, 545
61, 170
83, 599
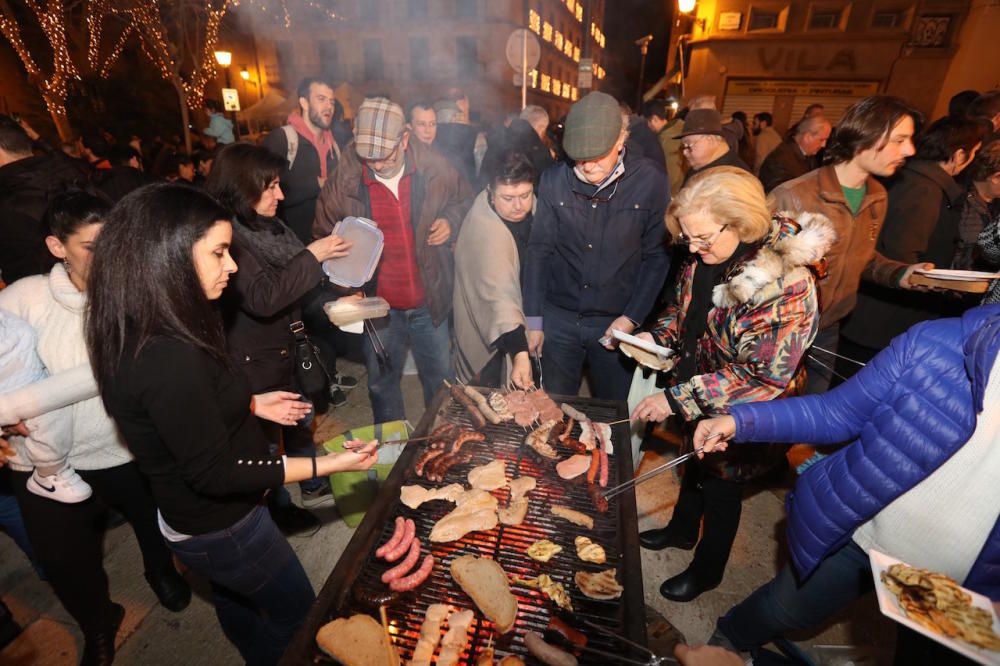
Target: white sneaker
64, 486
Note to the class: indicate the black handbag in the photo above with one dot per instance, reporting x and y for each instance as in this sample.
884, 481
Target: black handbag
311, 376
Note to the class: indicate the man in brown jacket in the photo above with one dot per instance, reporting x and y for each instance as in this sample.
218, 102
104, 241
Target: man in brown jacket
418, 202
874, 138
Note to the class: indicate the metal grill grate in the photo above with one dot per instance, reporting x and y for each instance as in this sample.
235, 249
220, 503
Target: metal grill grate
504, 544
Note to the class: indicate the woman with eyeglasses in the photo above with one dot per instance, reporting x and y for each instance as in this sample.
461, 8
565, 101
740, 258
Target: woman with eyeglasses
744, 315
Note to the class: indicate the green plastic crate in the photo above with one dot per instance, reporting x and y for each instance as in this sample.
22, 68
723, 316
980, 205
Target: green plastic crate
355, 491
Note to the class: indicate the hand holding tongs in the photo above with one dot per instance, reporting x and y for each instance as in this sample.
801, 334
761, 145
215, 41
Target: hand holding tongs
656, 471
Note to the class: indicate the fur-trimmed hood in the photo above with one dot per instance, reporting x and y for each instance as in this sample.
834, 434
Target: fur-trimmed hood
793, 244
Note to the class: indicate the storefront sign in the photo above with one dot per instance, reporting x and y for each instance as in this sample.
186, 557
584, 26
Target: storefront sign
730, 20
799, 87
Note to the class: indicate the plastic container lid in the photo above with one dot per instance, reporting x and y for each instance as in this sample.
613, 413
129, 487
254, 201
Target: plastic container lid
351, 310
356, 268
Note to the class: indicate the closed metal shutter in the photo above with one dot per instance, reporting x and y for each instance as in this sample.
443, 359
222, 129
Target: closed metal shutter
748, 104
834, 106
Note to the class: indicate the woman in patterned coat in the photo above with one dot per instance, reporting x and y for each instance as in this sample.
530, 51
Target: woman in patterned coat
744, 315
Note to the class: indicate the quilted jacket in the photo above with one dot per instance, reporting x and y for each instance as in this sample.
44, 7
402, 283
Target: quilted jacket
912, 407
763, 318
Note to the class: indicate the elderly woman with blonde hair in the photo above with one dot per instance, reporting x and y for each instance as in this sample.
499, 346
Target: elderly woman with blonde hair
744, 315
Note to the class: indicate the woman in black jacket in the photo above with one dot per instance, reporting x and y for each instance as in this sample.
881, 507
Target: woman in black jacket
186, 412
276, 272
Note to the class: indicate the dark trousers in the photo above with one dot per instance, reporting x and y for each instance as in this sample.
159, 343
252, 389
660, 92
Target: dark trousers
67, 538
260, 590
788, 604
571, 341
720, 503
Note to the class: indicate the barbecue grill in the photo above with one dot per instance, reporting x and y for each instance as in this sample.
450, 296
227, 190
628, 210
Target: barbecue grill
616, 531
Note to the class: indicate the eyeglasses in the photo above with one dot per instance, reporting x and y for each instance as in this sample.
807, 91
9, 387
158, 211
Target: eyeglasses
700, 243
688, 147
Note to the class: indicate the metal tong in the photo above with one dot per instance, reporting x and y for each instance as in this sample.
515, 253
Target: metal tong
384, 362
656, 471
652, 659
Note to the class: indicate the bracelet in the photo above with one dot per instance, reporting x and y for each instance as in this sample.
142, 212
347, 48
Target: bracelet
314, 467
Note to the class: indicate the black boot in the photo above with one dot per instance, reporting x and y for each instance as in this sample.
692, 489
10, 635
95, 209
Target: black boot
666, 537
687, 585
293, 520
170, 588
99, 648
682, 530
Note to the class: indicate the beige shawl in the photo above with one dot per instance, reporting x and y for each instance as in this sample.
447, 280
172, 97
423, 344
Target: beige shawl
487, 300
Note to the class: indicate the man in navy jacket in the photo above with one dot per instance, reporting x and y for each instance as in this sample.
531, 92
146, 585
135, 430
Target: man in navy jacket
597, 256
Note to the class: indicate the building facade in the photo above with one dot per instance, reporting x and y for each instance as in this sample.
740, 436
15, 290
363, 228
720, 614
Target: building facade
415, 49
782, 55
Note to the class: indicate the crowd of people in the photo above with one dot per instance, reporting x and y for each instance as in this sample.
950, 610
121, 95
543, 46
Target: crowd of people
152, 326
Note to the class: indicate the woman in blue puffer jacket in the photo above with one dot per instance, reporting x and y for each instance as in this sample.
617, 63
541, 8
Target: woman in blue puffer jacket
918, 480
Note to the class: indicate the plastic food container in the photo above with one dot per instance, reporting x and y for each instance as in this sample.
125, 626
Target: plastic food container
356, 268
344, 312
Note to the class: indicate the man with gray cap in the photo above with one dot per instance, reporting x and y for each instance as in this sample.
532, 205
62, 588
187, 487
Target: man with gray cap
704, 144
597, 257
418, 201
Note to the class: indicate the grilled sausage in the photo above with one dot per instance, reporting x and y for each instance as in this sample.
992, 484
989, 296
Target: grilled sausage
483, 404
414, 579
425, 458
603, 476
373, 598
577, 638
404, 567
394, 539
466, 436
599, 500
459, 396
595, 463
397, 552
547, 654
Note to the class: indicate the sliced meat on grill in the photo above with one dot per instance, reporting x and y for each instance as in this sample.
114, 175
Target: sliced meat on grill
414, 496
573, 466
490, 476
476, 511
430, 634
515, 512
521, 486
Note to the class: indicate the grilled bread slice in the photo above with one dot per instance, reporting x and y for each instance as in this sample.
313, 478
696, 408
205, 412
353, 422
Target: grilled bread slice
485, 581
357, 641
601, 585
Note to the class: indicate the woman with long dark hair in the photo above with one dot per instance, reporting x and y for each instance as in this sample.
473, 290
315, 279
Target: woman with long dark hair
68, 538
276, 272
160, 359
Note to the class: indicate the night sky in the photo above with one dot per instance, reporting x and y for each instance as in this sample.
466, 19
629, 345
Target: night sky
624, 22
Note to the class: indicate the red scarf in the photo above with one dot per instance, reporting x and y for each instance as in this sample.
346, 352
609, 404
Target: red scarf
325, 146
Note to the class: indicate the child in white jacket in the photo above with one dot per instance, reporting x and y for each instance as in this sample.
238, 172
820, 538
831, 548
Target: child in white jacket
50, 435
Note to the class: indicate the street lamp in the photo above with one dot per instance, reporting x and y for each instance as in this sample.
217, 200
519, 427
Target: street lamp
687, 7
244, 73
225, 59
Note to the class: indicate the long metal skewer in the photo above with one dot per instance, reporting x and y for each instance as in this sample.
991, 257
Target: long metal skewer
631, 483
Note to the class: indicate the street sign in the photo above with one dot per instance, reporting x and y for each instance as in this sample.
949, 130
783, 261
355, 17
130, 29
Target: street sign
585, 77
230, 99
516, 50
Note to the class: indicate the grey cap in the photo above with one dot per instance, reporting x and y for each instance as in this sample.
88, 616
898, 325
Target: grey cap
592, 127
702, 121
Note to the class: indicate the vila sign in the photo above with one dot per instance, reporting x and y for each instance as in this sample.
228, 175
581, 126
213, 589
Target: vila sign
808, 88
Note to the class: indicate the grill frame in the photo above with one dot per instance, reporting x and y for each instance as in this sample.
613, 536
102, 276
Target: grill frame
617, 531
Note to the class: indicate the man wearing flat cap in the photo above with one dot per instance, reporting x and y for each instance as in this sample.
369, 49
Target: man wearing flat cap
597, 257
704, 144
418, 202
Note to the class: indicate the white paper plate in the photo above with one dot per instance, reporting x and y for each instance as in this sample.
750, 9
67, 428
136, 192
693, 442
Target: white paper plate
944, 274
889, 605
651, 347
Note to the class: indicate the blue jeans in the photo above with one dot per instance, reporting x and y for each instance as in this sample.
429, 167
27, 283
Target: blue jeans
788, 604
571, 340
260, 590
431, 347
